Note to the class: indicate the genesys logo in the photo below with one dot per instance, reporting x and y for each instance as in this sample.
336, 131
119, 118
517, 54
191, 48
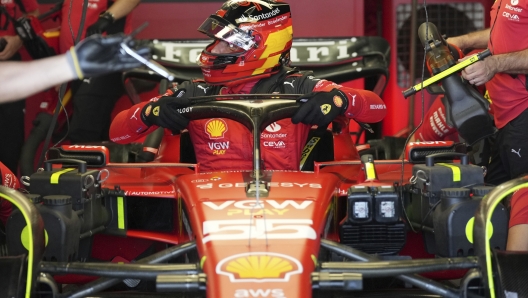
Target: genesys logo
271, 184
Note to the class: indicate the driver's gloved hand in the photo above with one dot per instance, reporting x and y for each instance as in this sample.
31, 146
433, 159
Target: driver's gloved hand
98, 55
101, 25
167, 111
320, 108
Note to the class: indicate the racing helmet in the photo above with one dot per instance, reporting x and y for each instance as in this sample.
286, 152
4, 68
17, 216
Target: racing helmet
259, 34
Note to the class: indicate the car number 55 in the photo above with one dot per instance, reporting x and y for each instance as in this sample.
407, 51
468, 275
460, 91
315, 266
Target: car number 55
240, 229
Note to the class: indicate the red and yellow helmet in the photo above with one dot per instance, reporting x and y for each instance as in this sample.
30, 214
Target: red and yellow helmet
260, 33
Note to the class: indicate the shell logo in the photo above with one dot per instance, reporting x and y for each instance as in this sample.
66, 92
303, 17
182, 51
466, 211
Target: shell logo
338, 101
259, 267
216, 128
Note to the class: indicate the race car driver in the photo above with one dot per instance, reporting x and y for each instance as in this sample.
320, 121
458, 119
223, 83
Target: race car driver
249, 55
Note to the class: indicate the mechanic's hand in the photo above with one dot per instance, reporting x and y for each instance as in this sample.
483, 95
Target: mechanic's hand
13, 44
480, 72
100, 26
167, 111
320, 108
98, 55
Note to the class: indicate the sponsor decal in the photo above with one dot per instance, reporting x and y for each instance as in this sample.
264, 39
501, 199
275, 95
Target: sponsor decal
271, 184
255, 18
121, 138
378, 107
255, 293
134, 115
148, 193
307, 150
290, 83
218, 148
514, 2
148, 110
277, 20
215, 128
326, 108
243, 229
273, 127
516, 9
510, 16
203, 88
9, 180
275, 145
259, 267
252, 204
338, 101
155, 111
216, 178
256, 213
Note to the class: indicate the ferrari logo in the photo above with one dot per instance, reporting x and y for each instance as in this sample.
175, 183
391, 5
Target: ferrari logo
156, 111
326, 108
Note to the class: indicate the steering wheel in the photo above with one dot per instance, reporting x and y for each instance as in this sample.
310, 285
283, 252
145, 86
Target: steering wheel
255, 111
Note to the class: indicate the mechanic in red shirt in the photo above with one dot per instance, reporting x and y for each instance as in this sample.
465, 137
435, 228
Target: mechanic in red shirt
94, 98
505, 79
12, 114
249, 55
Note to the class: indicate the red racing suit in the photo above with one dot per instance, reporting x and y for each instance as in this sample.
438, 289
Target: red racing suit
8, 180
223, 144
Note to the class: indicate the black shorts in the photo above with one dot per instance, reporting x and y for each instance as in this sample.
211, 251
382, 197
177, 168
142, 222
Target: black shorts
509, 157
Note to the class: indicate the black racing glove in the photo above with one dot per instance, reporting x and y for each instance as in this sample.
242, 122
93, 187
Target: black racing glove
103, 22
98, 55
167, 111
320, 108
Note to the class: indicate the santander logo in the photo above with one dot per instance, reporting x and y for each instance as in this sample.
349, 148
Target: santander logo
273, 127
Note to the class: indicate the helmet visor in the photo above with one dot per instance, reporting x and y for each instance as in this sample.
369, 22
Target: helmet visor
218, 28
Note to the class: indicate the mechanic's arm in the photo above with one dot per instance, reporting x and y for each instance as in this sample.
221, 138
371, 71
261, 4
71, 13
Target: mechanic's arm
21, 79
91, 57
510, 63
118, 10
473, 40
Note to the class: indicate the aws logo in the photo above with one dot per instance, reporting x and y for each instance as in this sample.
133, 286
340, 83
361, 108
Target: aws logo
216, 128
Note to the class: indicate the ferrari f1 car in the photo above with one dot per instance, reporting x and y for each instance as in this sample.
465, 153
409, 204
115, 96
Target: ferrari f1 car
99, 221
350, 226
